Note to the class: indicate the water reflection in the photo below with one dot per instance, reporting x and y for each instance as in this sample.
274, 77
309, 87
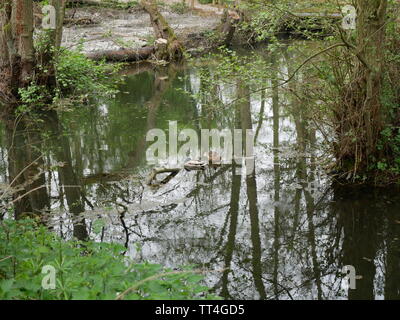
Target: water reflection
29, 172
281, 233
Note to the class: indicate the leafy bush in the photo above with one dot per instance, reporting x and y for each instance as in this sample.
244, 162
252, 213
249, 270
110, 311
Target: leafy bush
77, 79
77, 74
86, 270
34, 95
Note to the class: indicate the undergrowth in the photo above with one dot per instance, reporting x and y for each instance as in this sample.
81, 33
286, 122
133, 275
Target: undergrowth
83, 270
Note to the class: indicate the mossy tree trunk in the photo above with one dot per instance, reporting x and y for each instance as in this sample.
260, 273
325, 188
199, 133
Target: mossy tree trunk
17, 52
171, 49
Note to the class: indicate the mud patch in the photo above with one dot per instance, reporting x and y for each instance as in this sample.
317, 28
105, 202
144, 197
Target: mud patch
117, 29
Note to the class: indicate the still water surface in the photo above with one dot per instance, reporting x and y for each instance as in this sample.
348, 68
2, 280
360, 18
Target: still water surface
282, 233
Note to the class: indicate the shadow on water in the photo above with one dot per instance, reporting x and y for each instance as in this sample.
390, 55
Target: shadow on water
280, 233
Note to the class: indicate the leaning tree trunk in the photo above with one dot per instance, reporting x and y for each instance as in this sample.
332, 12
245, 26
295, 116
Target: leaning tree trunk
359, 115
168, 47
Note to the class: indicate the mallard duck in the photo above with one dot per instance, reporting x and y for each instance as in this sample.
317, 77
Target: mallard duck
195, 165
214, 158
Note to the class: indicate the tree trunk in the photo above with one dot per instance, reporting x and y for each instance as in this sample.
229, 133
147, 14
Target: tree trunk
26, 169
59, 5
172, 49
17, 58
49, 53
227, 27
19, 69
18, 65
23, 37
9, 62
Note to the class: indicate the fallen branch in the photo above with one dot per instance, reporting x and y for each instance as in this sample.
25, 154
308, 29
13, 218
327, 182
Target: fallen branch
123, 55
173, 172
6, 258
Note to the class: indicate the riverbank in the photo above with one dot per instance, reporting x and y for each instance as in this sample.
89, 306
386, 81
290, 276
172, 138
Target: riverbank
95, 29
114, 29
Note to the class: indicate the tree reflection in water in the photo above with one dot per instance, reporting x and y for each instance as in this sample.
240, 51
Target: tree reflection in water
281, 233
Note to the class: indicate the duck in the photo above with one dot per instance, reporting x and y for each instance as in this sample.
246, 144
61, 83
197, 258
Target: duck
194, 165
214, 158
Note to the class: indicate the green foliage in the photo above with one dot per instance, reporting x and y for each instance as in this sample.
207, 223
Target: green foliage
388, 164
264, 20
179, 7
122, 5
251, 68
150, 39
77, 78
84, 270
262, 25
389, 144
77, 75
33, 95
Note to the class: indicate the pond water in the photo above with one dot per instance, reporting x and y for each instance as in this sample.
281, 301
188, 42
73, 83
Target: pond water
281, 233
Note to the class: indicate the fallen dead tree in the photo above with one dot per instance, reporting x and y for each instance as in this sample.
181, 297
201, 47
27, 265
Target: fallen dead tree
123, 55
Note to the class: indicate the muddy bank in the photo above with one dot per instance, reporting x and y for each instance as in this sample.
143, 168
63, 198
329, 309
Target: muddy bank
127, 34
112, 29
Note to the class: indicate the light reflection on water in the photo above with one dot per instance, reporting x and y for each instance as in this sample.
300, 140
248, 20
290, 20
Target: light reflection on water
282, 233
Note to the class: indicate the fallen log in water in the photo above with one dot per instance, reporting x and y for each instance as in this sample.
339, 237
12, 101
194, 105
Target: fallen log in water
123, 55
